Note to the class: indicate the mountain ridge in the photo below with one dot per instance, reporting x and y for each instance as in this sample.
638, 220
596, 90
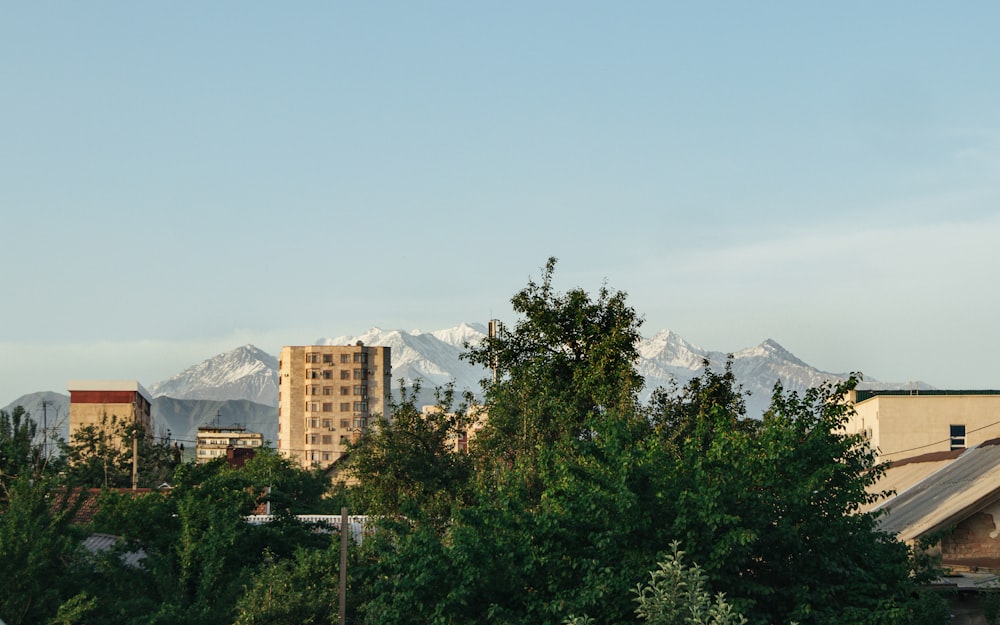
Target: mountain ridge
249, 374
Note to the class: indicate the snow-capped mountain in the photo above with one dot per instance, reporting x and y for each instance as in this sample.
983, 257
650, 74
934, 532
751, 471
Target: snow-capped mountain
249, 373
246, 372
431, 357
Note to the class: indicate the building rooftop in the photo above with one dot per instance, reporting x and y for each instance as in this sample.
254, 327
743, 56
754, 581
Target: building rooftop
109, 385
862, 395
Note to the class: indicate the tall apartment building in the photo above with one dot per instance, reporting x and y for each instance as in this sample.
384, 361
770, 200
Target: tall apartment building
327, 396
94, 402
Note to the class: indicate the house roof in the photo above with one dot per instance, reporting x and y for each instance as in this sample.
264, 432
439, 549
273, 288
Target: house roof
901, 474
946, 496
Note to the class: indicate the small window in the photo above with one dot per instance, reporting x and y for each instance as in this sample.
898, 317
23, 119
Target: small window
328, 375
327, 439
328, 390
327, 358
361, 390
327, 423
361, 374
344, 423
345, 358
345, 390
327, 407
361, 357
360, 406
958, 436
345, 375
345, 407
314, 423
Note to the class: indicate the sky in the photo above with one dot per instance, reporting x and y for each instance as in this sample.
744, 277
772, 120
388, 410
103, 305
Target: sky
179, 179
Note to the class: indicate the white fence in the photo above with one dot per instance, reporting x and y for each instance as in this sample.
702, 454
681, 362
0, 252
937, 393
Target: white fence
355, 523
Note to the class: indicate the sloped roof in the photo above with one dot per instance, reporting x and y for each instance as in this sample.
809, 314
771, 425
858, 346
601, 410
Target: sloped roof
950, 494
900, 475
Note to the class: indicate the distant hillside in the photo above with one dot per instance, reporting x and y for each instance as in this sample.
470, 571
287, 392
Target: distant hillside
181, 417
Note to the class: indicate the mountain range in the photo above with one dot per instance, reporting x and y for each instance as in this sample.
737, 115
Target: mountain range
241, 385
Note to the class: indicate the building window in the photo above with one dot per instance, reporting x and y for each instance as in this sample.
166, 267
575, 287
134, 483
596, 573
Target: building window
327, 407
327, 358
361, 390
328, 390
314, 390
360, 406
327, 423
314, 406
345, 407
326, 456
312, 358
360, 423
327, 439
345, 390
313, 374
314, 439
328, 375
361, 374
344, 358
343, 423
361, 357
958, 437
345, 375
314, 422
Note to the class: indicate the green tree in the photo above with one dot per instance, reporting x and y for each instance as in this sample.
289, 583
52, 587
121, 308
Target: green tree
770, 506
20, 454
201, 554
409, 466
301, 590
101, 455
38, 550
568, 361
677, 594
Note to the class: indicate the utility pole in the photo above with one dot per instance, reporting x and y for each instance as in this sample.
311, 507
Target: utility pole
135, 445
345, 530
45, 430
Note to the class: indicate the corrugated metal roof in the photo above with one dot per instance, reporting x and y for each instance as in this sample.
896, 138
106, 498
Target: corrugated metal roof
99, 543
968, 483
902, 474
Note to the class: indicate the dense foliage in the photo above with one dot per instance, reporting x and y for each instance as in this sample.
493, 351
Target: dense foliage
573, 504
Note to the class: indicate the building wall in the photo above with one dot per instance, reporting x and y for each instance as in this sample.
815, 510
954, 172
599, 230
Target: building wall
212, 442
899, 426
92, 402
328, 395
974, 539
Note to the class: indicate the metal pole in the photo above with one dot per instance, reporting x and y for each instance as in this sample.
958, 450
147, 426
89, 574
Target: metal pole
345, 530
135, 445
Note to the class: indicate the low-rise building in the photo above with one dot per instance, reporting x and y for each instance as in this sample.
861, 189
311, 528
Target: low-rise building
212, 442
99, 402
904, 423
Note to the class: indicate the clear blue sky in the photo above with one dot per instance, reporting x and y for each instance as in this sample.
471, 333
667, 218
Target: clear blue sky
178, 179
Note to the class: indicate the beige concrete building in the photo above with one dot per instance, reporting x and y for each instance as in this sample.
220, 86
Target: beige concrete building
95, 402
327, 396
899, 424
475, 420
212, 442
